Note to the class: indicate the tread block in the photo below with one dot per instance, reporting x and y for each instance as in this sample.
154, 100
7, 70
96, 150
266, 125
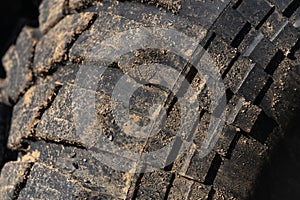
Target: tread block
27, 110
79, 164
269, 100
56, 122
204, 99
50, 13
183, 188
222, 53
172, 5
12, 175
142, 64
253, 84
287, 38
202, 129
250, 42
191, 165
254, 11
229, 24
222, 195
105, 26
273, 25
59, 119
153, 185
283, 69
144, 15
58, 40
79, 4
140, 105
47, 183
203, 12
164, 137
7, 192
115, 23
281, 4
247, 160
25, 113
296, 18
223, 143
247, 117
238, 73
18, 64
233, 107
263, 51
273, 96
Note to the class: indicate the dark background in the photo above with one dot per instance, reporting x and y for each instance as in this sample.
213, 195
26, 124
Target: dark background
14, 14
280, 178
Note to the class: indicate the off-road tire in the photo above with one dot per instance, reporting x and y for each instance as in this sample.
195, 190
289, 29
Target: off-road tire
255, 45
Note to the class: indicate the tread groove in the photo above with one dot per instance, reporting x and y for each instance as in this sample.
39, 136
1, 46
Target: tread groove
237, 4
294, 49
274, 63
210, 40
241, 35
174, 153
64, 143
76, 36
289, 11
262, 93
233, 144
265, 18
45, 107
66, 8
211, 194
213, 170
230, 65
64, 62
137, 186
22, 185
169, 186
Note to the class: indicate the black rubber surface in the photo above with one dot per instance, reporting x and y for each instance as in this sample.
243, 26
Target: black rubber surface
255, 45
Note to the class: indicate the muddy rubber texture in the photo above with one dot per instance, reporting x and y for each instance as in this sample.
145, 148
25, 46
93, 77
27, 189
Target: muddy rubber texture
255, 45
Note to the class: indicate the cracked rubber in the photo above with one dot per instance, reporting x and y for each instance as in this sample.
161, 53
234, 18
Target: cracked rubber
255, 45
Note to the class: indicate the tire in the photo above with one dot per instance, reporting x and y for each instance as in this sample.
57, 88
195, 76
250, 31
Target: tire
255, 53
